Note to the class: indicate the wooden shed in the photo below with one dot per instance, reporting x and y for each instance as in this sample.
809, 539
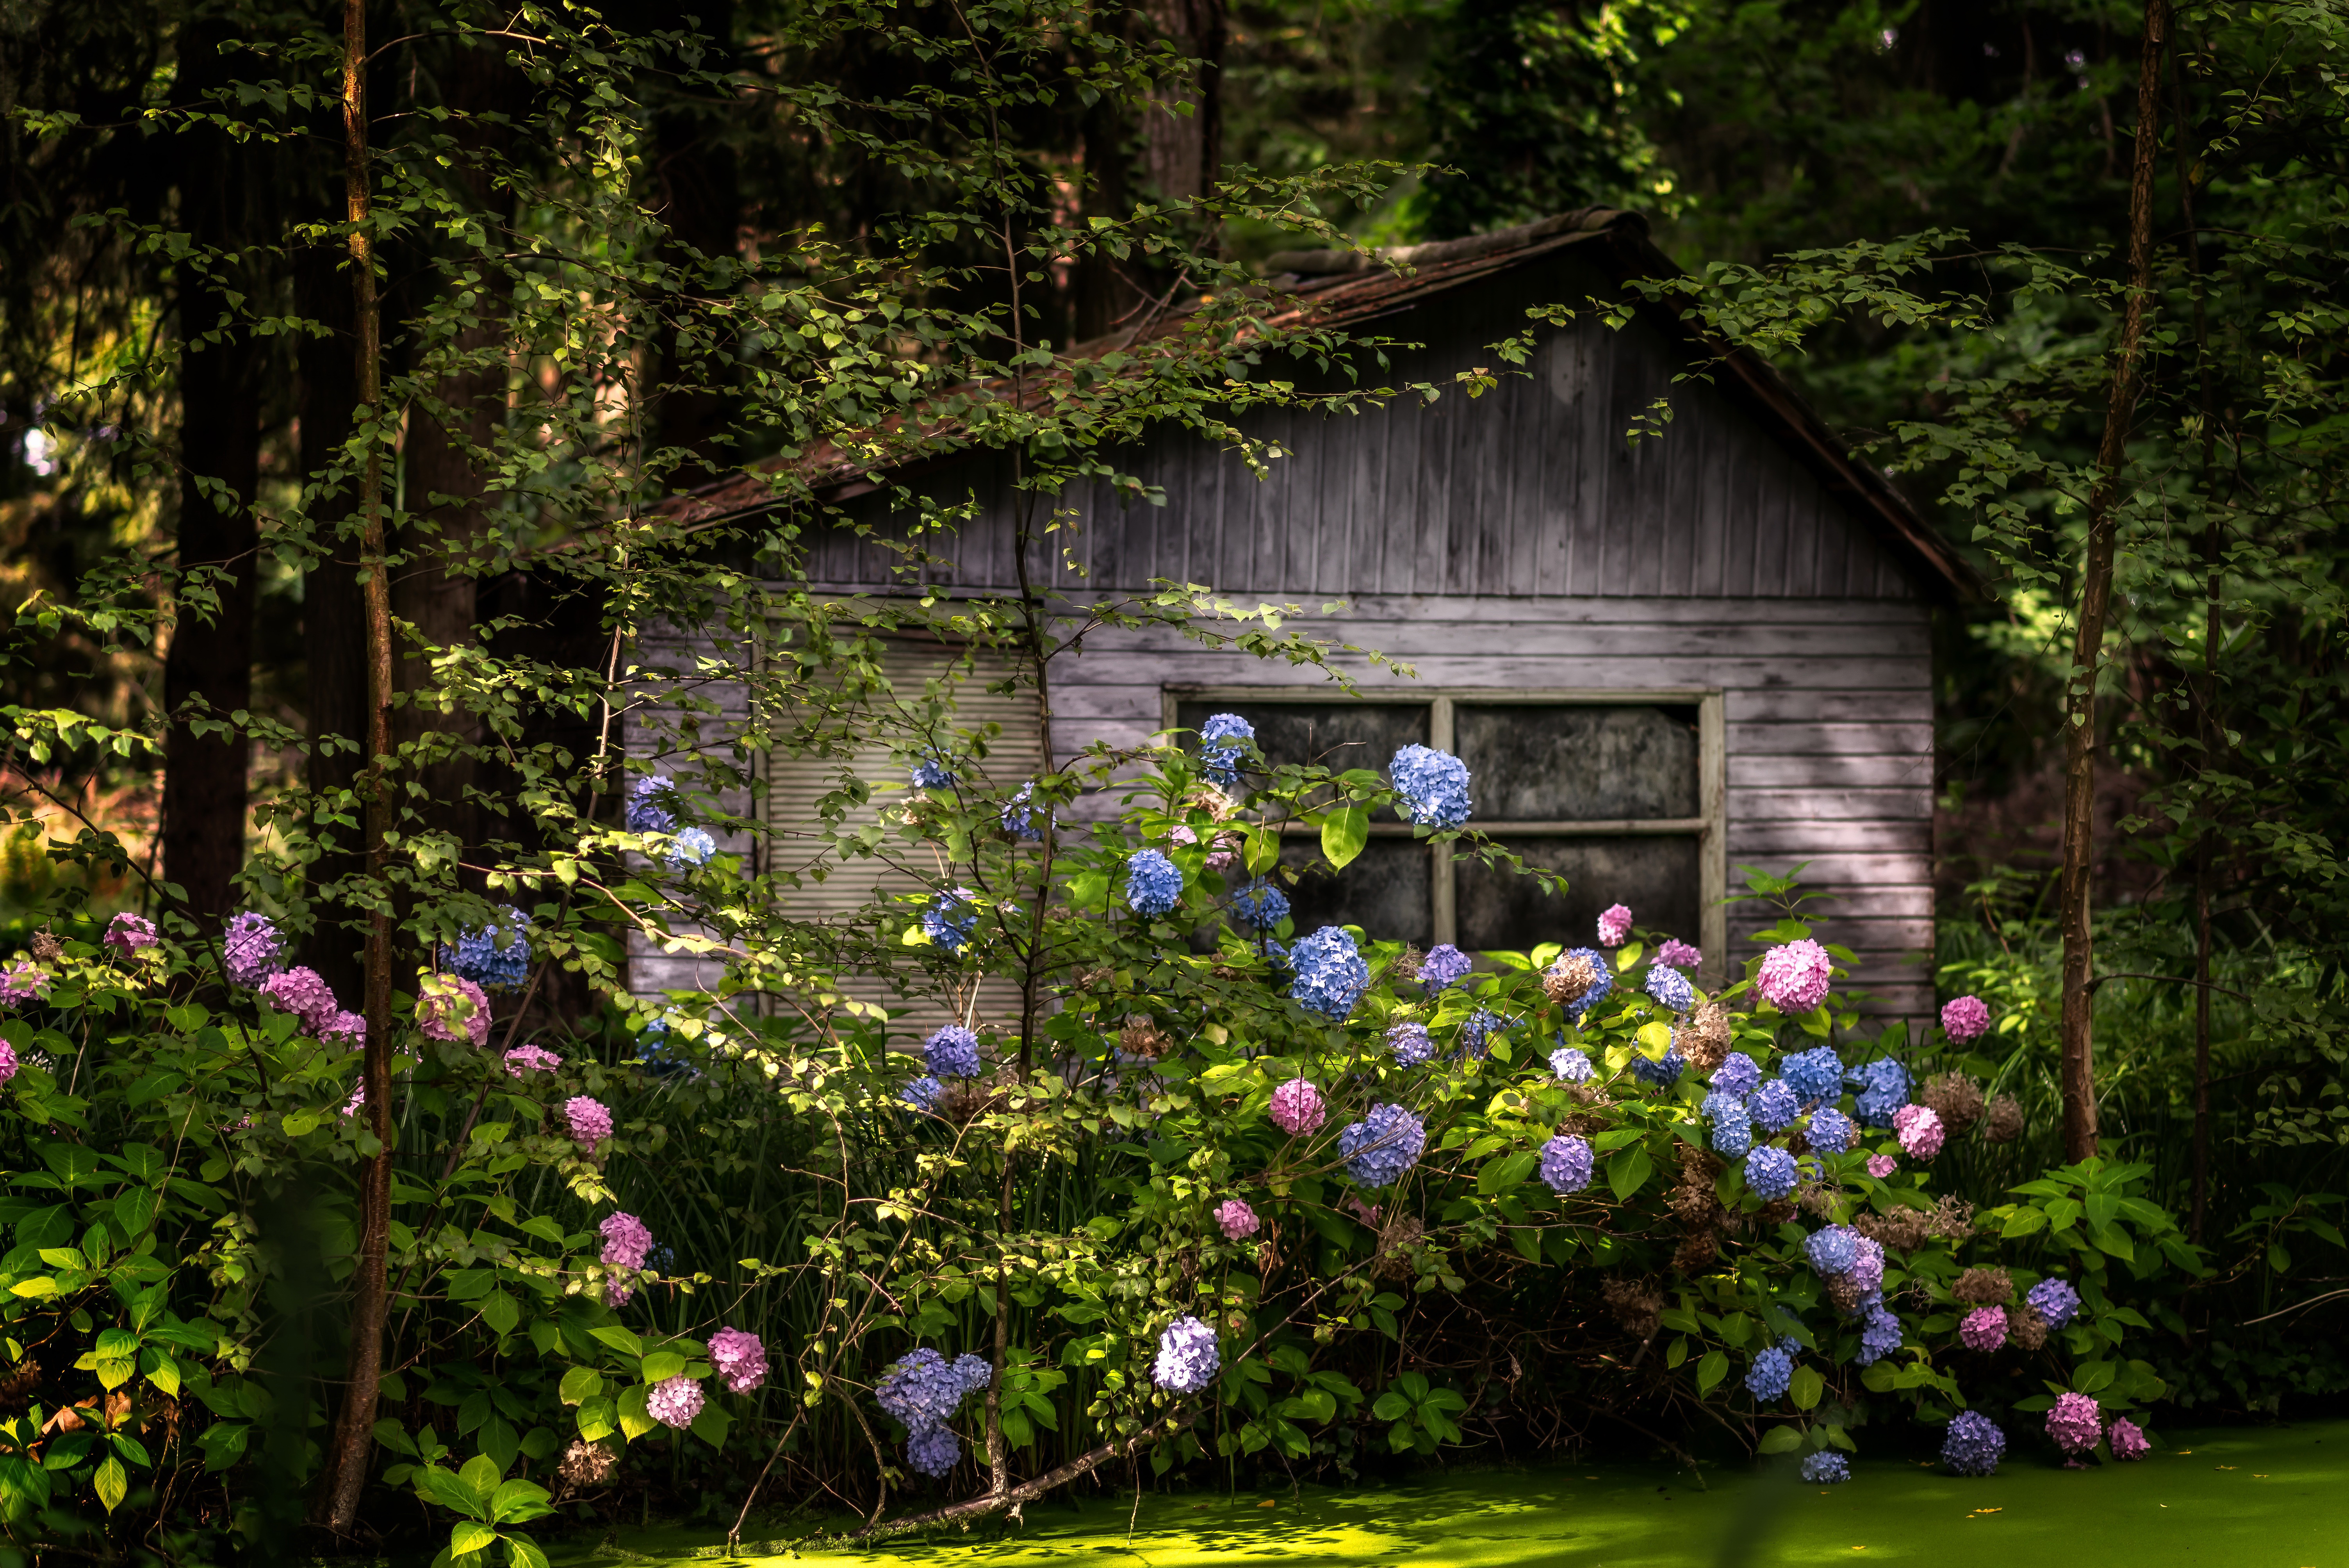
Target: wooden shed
1661, 659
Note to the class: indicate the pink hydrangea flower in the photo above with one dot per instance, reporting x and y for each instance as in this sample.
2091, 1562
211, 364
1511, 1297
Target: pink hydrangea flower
1964, 1018
1984, 1328
1614, 924
2127, 1440
1881, 1165
740, 1359
591, 1123
1796, 977
358, 1098
22, 983
675, 1403
1678, 955
525, 1059
626, 1241
8, 1063
2074, 1423
1919, 1128
345, 1028
128, 933
452, 1010
1297, 1107
1238, 1220
304, 993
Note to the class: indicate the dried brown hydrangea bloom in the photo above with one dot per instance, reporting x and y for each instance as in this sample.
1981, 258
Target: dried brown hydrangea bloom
1406, 967
2025, 1327
588, 1464
1904, 1230
1952, 1219
1582, 1126
2002, 1123
1776, 1213
1636, 1303
1703, 1040
1817, 1200
1956, 1098
1844, 1291
1984, 1287
1696, 1253
964, 1100
48, 944
1566, 981
1142, 1037
1397, 1242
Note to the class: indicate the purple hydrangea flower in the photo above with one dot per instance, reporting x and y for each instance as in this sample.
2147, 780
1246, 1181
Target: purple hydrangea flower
922, 1093
1237, 1220
2076, 1423
1738, 1074
127, 934
1444, 966
1221, 746
1879, 1336
1769, 1377
675, 1402
1153, 885
1569, 1065
1984, 1328
1832, 1251
924, 1389
952, 1052
1330, 975
1019, 815
1566, 1163
1410, 1043
452, 1009
1776, 1105
933, 1451
652, 805
1794, 977
590, 1121
931, 772
1964, 1018
525, 1059
1479, 1031
1663, 1072
1826, 1467
1832, 1132
1297, 1107
345, 1028
304, 993
1770, 1172
1382, 1146
1814, 1075
2055, 1300
739, 1359
1188, 1358
1671, 987
8, 1063
2127, 1440
1614, 924
626, 1242
693, 847
1679, 954
1868, 1266
1434, 785
251, 949
1973, 1444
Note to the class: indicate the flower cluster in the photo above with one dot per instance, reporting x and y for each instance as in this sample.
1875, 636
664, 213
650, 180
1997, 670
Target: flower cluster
1972, 1444
452, 1009
1433, 784
1984, 1328
525, 1059
1671, 987
1964, 1018
1775, 1105
2055, 1300
1188, 1358
1297, 1107
1678, 955
933, 1451
1410, 1043
1770, 1172
1330, 975
1566, 1163
949, 920
496, 955
952, 1052
589, 1120
1444, 966
1477, 1034
930, 771
626, 1242
1880, 1336
924, 1389
1815, 1075
2127, 1440
1794, 977
1732, 1128
1382, 1146
1831, 1131
8, 1063
652, 805
1569, 1065
1153, 885
1237, 1220
1663, 1072
251, 949
675, 1402
1832, 1251
739, 1359
1883, 1086
1920, 1131
1826, 1467
1261, 904
1614, 925
127, 934
1770, 1375
1738, 1075
1019, 815
922, 1093
693, 847
2076, 1423
1223, 746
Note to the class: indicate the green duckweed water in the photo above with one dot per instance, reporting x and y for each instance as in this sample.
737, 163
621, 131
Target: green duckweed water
2229, 1499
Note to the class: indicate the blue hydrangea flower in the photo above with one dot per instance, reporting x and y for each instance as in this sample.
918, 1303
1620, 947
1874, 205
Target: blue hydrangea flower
1019, 815
1832, 1251
2055, 1300
652, 805
1221, 750
922, 1093
931, 772
495, 957
1384, 1145
949, 919
1571, 1065
1600, 988
1973, 1444
1768, 1377
1883, 1086
1733, 1131
934, 1450
1433, 784
1832, 1131
1879, 1336
1188, 1358
924, 1389
693, 847
1671, 987
1738, 1074
1814, 1075
952, 1052
1410, 1044
1825, 1468
1152, 884
1770, 1172
1444, 966
1776, 1105
1261, 904
1566, 1163
1663, 1073
1479, 1031
1330, 974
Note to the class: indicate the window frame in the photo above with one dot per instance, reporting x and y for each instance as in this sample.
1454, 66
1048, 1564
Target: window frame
1709, 827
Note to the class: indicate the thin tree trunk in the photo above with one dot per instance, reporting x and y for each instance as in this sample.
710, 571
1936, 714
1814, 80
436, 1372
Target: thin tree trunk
2096, 600
346, 1456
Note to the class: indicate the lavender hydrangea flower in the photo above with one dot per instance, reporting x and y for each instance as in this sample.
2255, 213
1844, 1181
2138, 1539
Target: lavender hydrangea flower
626, 1242
304, 993
693, 847
1771, 1372
1671, 987
1919, 1129
1330, 975
1796, 976
2055, 1300
1832, 1251
952, 1052
1879, 1336
1599, 988
675, 1402
1832, 1132
1019, 815
345, 1028
2127, 1440
1444, 966
1153, 883
1964, 1018
128, 933
1663, 1072
1868, 1265
1984, 1328
1883, 1086
1297, 1107
1261, 904
1814, 1075
1738, 1074
922, 1093
1221, 746
1733, 1131
1770, 1172
1410, 1043
1237, 1220
739, 1359
652, 803
1614, 924
1566, 1163
1973, 1444
496, 955
1679, 954
1382, 1146
923, 1389
932, 772
1776, 1105
1570, 1065
1433, 784
1826, 1467
525, 1059
933, 1451
2076, 1423
589, 1118
251, 949
1188, 1358
951, 917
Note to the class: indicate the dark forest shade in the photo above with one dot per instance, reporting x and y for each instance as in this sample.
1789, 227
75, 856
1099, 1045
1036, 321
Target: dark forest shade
1532, 763
1658, 877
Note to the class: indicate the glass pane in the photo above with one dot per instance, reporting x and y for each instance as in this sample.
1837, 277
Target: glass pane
1384, 891
1610, 763
1657, 877
1332, 735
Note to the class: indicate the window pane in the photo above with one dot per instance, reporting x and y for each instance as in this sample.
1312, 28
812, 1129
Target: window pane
1657, 877
1332, 735
1528, 764
1384, 891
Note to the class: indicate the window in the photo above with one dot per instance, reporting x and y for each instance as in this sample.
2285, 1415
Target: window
1619, 792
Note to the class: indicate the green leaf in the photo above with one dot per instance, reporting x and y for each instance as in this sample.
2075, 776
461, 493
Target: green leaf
2023, 1221
468, 1536
2093, 1376
113, 1483
1711, 1371
524, 1552
1343, 834
634, 1420
1627, 1173
517, 1500
479, 1477
620, 1339
581, 1382
1782, 1440
1507, 1172
711, 1426
1655, 1040
501, 1312
1806, 1389
303, 1121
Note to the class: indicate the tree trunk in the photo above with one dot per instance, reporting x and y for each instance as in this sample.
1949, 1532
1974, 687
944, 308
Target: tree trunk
1182, 152
2096, 599
211, 655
